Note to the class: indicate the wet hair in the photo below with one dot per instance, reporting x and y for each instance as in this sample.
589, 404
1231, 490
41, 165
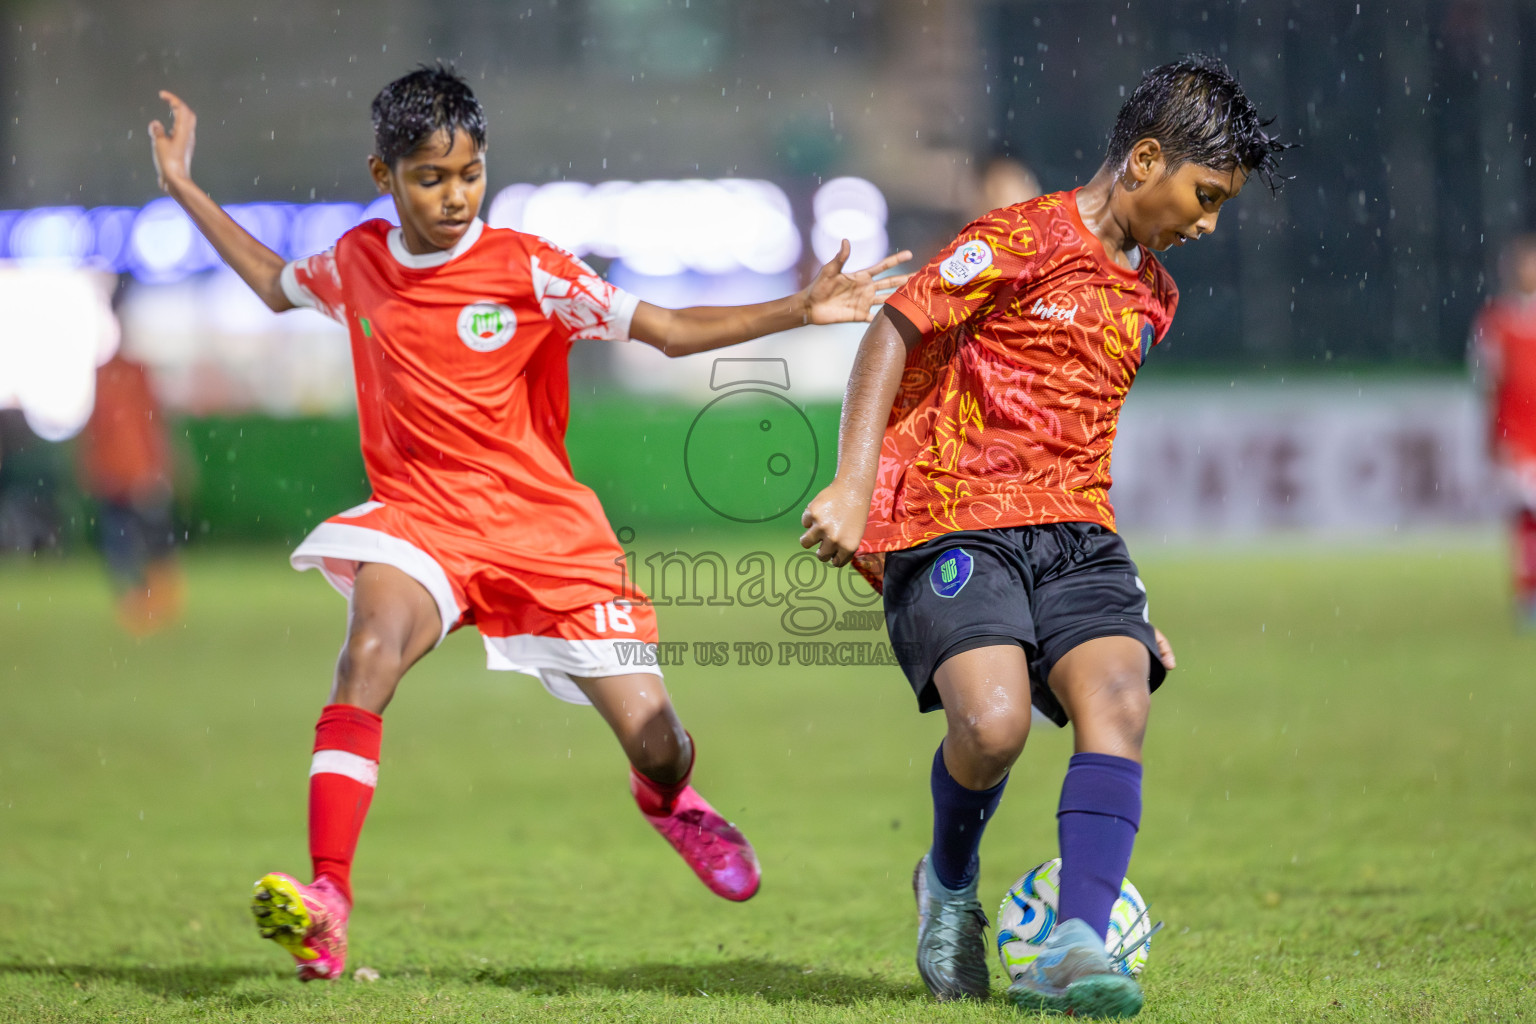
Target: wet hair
1197, 111
410, 110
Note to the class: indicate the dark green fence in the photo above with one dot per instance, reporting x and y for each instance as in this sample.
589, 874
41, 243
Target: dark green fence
742, 457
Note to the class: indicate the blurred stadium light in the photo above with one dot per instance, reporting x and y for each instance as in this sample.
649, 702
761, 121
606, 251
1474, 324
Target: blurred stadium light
164, 245
382, 207
317, 226
661, 228
59, 328
216, 347
656, 228
854, 209
59, 233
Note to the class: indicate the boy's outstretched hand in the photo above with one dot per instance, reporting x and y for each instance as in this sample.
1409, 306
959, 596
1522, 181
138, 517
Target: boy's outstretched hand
835, 297
173, 149
257, 265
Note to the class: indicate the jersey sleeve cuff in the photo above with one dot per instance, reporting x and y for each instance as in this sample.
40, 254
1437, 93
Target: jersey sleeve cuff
909, 309
624, 306
289, 279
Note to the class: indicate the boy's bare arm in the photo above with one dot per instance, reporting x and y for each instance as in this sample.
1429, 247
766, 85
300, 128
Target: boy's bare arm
834, 520
258, 266
833, 297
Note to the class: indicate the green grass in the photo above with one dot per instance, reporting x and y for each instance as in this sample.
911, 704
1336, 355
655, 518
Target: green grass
1339, 813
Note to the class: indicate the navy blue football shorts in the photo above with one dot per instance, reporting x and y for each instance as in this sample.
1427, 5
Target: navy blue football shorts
1047, 588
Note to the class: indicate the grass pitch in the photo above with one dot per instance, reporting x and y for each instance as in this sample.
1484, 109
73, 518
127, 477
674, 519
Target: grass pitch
1338, 816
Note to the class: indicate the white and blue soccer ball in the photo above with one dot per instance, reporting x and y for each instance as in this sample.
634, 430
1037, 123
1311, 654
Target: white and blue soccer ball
1028, 914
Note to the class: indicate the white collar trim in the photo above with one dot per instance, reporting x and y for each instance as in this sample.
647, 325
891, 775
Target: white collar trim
428, 260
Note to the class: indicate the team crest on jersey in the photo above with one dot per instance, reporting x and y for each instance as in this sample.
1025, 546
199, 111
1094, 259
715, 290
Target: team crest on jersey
486, 326
951, 572
966, 262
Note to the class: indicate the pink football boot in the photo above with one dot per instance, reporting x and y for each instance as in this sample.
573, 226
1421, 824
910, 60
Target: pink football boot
309, 921
716, 850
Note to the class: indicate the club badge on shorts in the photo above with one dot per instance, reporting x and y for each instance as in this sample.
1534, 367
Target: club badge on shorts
951, 572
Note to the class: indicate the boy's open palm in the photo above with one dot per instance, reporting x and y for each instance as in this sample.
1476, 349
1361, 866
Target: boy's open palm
173, 149
835, 297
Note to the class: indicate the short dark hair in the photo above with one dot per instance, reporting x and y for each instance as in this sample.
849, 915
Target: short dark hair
1197, 111
410, 110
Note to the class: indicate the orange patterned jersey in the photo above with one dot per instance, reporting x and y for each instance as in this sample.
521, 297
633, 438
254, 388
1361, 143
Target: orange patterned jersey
1008, 406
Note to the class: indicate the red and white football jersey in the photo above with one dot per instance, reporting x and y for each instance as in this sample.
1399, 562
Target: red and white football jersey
460, 362
1504, 341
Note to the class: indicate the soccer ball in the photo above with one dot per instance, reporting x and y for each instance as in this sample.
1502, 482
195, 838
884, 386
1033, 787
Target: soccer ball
1028, 914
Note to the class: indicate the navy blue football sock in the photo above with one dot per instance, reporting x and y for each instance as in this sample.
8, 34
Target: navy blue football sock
1096, 825
960, 816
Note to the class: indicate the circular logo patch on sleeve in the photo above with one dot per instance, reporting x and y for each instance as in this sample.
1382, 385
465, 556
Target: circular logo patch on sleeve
486, 326
966, 262
951, 572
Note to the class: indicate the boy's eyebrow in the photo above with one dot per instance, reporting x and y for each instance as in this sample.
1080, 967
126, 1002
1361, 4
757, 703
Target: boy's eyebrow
439, 168
1216, 185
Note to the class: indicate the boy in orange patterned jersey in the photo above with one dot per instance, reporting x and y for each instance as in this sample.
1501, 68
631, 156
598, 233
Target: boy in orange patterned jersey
972, 487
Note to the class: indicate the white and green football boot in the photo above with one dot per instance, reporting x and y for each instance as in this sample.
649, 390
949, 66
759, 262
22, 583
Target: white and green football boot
1073, 975
951, 947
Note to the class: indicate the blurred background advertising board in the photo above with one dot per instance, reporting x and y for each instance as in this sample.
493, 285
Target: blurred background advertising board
1243, 458
718, 153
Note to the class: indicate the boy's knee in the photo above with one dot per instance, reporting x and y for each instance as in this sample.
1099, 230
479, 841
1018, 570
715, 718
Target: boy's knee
370, 659
986, 745
1130, 691
1116, 708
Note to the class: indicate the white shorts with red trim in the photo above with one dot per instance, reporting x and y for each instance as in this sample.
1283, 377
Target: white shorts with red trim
549, 628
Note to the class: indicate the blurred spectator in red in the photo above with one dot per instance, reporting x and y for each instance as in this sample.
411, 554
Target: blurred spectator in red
1504, 358
125, 467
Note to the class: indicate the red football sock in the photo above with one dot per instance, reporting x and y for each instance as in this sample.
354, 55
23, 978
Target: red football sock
342, 776
1525, 558
657, 798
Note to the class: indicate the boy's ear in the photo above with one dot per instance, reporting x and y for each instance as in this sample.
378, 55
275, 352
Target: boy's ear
378, 170
1143, 162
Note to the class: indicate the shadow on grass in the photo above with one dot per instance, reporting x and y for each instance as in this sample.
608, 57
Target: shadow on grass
174, 981
769, 980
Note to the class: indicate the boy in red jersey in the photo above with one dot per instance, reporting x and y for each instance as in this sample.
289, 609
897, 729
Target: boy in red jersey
1504, 357
124, 462
459, 339
971, 485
